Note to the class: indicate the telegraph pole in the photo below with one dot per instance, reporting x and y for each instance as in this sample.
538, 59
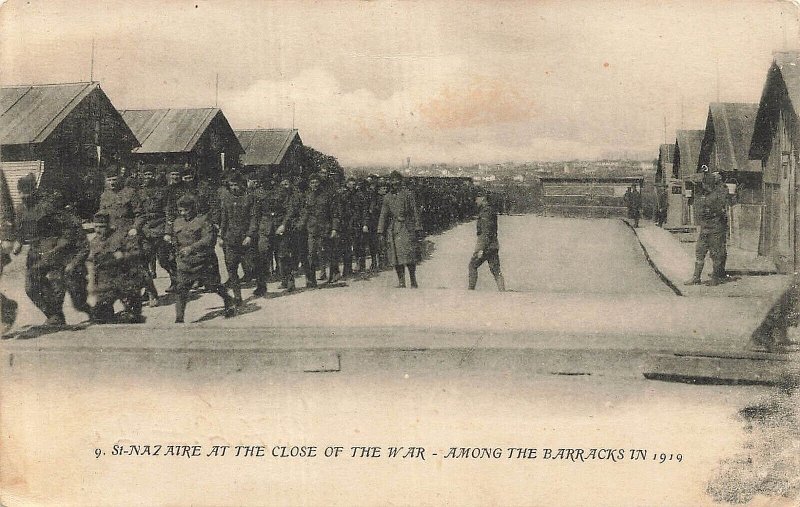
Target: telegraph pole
216, 92
91, 67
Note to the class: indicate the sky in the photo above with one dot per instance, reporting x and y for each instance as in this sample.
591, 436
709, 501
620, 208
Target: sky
375, 82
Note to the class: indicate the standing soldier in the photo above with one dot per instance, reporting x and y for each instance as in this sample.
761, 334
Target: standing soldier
42, 223
152, 224
487, 248
633, 201
713, 217
194, 240
236, 207
251, 254
320, 218
119, 202
383, 256
352, 214
400, 221
75, 273
274, 216
119, 272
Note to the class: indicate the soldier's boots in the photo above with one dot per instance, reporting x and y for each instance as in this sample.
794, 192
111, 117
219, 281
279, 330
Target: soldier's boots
8, 312
401, 276
261, 290
412, 275
180, 308
501, 282
56, 319
362, 264
228, 301
237, 295
698, 270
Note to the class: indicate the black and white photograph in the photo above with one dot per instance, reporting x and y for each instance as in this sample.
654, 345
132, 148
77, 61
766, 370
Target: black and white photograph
370, 253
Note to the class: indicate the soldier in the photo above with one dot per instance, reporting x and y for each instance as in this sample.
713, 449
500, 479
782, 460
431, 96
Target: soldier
152, 227
713, 217
194, 241
633, 200
320, 218
236, 208
353, 210
42, 223
275, 214
119, 202
119, 272
400, 221
75, 273
372, 214
8, 307
251, 254
383, 189
487, 247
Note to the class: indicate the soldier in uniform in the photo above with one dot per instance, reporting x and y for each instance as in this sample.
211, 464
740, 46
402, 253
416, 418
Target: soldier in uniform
236, 208
487, 247
251, 254
75, 273
275, 214
400, 221
119, 272
152, 227
713, 217
320, 218
46, 227
353, 211
194, 240
119, 202
383, 189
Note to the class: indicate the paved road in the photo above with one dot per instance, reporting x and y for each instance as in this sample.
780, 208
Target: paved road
555, 363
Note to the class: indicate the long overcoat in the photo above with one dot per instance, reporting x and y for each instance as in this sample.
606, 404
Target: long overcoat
400, 222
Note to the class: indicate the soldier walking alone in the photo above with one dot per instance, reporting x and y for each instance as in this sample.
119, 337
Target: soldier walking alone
400, 221
487, 247
712, 206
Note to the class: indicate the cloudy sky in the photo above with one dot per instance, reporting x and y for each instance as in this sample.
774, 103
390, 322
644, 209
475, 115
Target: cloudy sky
437, 81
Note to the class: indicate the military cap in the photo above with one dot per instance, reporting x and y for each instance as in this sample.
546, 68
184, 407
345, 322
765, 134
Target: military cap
27, 183
101, 218
187, 201
236, 177
149, 168
111, 171
395, 175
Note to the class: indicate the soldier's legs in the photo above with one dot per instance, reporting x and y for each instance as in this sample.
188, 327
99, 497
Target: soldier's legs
264, 252
359, 250
103, 311
401, 275
700, 251
493, 258
249, 260
77, 286
233, 258
346, 249
474, 263
716, 248
46, 291
312, 257
8, 312
374, 250
412, 275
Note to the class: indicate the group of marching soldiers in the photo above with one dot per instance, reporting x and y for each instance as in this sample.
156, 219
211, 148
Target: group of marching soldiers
264, 222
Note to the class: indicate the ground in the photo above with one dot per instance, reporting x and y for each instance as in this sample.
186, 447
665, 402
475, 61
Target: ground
555, 363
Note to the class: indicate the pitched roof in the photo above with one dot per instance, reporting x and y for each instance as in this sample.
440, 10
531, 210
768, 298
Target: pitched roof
30, 113
665, 153
733, 125
265, 146
687, 144
168, 130
783, 73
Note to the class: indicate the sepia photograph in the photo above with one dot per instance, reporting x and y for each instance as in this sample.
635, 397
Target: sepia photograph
370, 253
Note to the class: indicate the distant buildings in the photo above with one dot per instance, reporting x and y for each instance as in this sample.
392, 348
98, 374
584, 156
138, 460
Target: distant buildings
200, 139
276, 150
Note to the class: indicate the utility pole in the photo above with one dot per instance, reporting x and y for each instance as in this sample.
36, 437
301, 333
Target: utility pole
665, 129
717, 78
91, 67
293, 107
216, 92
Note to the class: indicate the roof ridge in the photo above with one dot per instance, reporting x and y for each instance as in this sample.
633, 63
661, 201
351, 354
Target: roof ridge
206, 121
31, 85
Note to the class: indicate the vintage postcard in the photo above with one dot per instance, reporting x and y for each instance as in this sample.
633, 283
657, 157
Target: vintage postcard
399, 252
